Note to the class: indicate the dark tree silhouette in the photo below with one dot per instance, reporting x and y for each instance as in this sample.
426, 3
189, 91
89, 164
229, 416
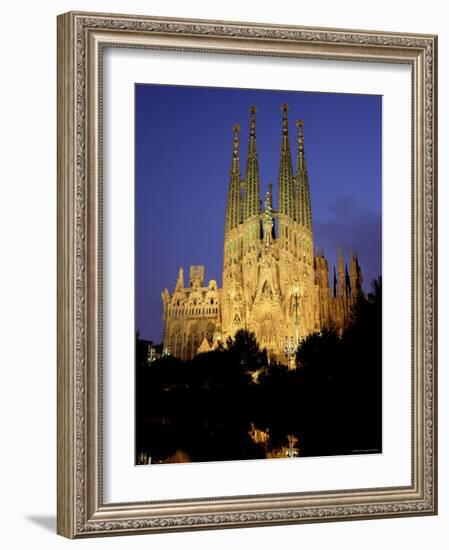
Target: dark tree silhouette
340, 383
205, 409
246, 351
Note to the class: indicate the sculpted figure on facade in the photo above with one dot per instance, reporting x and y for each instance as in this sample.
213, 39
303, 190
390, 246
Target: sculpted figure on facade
274, 282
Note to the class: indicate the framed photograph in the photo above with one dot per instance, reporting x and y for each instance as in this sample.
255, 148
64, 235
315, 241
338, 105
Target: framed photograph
246, 274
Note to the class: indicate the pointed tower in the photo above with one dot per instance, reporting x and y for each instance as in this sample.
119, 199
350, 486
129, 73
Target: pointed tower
180, 280
341, 273
303, 207
321, 272
359, 279
233, 206
251, 186
347, 283
285, 186
353, 275
267, 218
335, 285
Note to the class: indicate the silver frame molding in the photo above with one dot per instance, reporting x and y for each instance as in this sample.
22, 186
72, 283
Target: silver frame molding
81, 38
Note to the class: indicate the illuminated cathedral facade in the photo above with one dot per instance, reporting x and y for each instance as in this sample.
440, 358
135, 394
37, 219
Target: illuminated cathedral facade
274, 283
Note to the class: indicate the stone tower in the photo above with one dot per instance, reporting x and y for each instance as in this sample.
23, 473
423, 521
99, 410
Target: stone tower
273, 283
268, 264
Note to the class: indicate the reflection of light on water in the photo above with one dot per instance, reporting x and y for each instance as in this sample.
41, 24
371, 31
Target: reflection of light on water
291, 453
262, 437
179, 457
259, 436
143, 459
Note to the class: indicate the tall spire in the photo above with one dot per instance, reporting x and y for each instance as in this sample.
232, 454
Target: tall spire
348, 288
353, 273
303, 207
180, 279
233, 204
341, 273
251, 187
267, 218
285, 185
356, 276
335, 284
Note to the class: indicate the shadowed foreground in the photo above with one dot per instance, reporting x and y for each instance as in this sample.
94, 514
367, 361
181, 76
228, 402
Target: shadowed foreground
230, 404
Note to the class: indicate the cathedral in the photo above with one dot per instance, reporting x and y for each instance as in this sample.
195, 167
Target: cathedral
274, 283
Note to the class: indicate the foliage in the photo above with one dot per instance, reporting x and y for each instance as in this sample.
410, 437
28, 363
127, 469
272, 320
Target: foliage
204, 409
245, 349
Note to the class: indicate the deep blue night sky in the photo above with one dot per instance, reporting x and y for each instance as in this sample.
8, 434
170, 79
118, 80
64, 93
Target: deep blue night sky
183, 156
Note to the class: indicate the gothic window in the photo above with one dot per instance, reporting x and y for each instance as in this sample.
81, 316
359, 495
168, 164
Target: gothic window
177, 344
266, 290
196, 343
174, 341
189, 352
171, 342
210, 329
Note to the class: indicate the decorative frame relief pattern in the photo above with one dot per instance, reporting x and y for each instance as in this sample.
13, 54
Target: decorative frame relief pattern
81, 39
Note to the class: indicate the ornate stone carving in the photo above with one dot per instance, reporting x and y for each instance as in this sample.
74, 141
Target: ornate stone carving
426, 46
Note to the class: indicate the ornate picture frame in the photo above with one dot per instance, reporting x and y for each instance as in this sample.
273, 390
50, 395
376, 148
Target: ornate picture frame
82, 38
